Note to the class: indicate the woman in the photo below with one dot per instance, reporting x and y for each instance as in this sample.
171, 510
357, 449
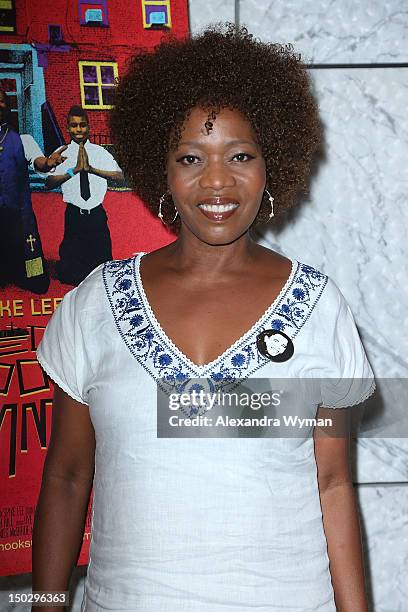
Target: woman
216, 133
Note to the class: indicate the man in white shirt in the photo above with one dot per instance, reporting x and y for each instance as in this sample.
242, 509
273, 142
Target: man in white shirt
83, 179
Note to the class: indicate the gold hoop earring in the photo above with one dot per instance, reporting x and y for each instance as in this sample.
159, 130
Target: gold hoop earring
160, 213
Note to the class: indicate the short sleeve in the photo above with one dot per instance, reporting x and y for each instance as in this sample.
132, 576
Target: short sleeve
348, 377
62, 350
31, 151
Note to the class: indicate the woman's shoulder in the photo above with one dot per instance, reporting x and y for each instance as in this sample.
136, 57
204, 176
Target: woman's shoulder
91, 294
117, 266
309, 280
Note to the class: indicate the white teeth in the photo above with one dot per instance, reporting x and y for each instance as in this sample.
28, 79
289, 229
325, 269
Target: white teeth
219, 208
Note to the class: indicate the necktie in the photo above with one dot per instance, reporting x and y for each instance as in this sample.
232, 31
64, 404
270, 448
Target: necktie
84, 185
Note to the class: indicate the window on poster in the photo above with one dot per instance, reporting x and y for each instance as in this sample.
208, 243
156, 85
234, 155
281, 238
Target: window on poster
55, 34
156, 14
93, 13
98, 81
7, 17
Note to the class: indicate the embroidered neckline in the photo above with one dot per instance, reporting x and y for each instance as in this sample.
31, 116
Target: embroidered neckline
162, 359
201, 369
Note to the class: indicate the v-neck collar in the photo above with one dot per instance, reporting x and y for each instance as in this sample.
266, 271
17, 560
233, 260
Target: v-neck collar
201, 370
165, 362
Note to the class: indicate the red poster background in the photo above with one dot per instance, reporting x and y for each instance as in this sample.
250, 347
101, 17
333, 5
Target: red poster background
25, 390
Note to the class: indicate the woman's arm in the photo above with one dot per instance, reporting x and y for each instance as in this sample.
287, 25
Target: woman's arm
63, 501
340, 513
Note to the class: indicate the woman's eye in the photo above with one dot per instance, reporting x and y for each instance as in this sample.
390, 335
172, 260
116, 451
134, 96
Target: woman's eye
242, 156
190, 160
187, 160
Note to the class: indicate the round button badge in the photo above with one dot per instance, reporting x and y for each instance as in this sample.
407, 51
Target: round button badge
275, 345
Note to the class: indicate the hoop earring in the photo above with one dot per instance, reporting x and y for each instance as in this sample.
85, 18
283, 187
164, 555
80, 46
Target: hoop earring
270, 197
160, 214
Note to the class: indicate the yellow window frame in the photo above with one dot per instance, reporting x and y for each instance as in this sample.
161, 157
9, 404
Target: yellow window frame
157, 3
98, 84
7, 5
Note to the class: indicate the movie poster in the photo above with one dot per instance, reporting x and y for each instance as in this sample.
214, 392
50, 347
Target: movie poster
55, 56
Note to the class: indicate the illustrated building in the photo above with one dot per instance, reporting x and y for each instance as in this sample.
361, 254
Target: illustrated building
65, 52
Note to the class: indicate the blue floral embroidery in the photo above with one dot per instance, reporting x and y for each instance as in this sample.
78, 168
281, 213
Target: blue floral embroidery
124, 284
133, 323
165, 360
299, 294
136, 320
296, 306
166, 364
238, 359
277, 324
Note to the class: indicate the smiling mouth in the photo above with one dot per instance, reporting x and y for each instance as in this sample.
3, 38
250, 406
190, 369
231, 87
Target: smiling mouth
218, 208
216, 211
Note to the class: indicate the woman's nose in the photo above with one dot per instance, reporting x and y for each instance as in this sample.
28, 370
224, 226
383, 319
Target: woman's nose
216, 175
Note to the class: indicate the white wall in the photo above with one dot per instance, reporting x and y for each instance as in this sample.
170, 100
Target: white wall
355, 229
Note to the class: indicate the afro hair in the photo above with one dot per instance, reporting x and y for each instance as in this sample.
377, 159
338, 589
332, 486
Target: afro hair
223, 67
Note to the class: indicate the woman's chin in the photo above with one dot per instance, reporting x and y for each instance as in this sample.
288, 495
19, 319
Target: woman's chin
216, 233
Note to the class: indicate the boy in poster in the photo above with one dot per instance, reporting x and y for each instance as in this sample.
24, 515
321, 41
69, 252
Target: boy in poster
83, 179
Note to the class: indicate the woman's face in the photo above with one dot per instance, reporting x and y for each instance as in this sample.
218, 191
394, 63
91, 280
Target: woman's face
217, 179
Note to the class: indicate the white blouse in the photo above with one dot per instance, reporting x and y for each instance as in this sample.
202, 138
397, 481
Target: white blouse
226, 523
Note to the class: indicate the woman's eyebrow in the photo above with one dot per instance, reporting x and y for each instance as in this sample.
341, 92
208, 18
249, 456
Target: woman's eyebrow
196, 143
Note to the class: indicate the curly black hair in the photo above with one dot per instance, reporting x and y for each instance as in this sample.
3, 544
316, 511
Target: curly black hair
223, 67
